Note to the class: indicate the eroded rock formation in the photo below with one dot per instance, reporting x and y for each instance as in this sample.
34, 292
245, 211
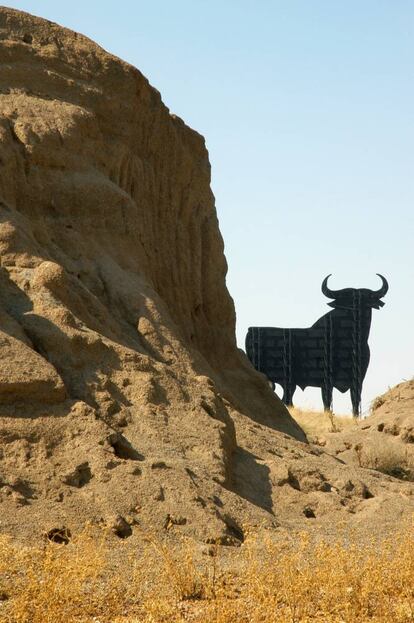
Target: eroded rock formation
123, 397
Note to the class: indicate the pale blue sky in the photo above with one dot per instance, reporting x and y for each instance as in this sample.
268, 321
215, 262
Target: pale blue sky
307, 107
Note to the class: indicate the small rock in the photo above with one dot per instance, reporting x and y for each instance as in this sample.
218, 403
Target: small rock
134, 470
18, 498
309, 512
79, 476
160, 465
61, 535
160, 497
119, 526
132, 520
174, 520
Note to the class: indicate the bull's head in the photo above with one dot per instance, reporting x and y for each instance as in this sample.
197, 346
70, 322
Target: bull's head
346, 296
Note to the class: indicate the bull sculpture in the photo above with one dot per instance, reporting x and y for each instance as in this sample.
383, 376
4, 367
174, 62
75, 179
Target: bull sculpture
332, 353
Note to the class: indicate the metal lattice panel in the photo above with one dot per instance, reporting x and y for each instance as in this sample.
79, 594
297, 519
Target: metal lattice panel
332, 353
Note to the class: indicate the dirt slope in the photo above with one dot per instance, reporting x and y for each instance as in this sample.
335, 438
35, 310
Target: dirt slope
123, 397
383, 441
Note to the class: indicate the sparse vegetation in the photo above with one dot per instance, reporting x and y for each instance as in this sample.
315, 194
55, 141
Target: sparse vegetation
388, 457
269, 583
377, 403
317, 423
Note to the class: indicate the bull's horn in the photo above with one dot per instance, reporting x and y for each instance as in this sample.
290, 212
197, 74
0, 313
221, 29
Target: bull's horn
384, 288
331, 294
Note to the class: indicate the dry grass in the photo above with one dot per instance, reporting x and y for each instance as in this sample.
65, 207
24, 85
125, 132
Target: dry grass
317, 423
389, 457
273, 583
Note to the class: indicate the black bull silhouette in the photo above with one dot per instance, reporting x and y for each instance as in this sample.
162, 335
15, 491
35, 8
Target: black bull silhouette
331, 353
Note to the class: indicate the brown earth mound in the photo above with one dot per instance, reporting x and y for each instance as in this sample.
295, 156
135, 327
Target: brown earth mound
123, 397
384, 441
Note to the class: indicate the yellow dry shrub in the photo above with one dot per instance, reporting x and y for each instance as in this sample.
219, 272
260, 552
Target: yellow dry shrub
53, 583
301, 581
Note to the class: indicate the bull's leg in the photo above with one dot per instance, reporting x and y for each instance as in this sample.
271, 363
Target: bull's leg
288, 392
356, 390
327, 397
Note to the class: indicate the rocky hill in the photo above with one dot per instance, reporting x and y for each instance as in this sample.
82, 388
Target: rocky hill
123, 397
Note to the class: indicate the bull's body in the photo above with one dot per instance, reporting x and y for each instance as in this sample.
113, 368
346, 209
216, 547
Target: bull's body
333, 352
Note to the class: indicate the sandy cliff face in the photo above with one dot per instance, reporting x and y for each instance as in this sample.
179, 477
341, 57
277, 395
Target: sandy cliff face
123, 397
115, 319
